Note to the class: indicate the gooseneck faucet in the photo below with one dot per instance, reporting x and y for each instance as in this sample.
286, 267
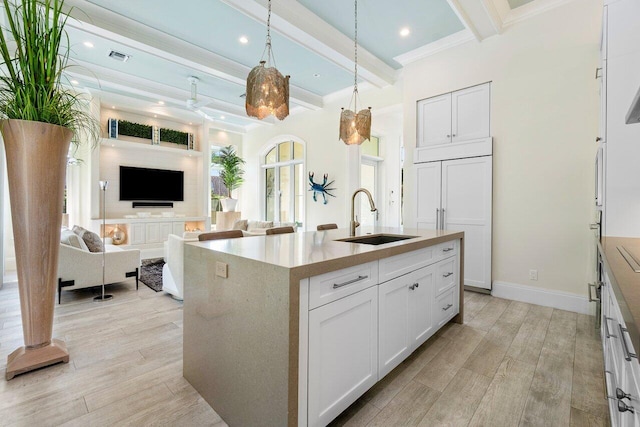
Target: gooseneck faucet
354, 224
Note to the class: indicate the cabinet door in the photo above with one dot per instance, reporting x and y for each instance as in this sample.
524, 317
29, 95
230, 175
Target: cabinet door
421, 294
602, 125
434, 121
394, 347
470, 113
428, 186
343, 354
137, 234
165, 229
178, 228
466, 206
153, 232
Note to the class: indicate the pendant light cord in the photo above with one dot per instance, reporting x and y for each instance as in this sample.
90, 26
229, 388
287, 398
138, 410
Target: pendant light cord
354, 96
267, 47
355, 72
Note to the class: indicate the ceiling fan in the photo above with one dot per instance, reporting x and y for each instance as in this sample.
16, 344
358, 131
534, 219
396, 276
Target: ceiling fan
192, 102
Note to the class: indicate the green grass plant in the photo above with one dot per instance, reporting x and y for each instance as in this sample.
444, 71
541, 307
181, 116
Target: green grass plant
31, 83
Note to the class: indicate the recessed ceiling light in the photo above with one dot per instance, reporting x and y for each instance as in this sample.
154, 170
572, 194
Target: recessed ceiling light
243, 40
222, 117
404, 32
113, 107
161, 102
316, 75
75, 82
155, 115
190, 123
88, 44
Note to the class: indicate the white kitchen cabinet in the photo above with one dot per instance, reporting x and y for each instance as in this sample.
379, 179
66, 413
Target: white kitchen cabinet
457, 195
622, 373
405, 320
343, 354
619, 82
458, 116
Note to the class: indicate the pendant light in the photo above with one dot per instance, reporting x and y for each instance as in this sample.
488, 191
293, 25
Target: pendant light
355, 127
267, 88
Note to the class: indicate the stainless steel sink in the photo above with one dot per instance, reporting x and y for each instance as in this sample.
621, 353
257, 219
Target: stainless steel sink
377, 239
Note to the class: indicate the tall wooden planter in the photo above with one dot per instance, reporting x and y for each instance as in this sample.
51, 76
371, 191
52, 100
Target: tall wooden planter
36, 166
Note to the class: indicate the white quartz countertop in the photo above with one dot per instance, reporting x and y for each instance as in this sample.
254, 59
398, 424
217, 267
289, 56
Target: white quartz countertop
312, 252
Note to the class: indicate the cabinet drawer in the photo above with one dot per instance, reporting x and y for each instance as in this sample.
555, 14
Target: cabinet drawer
446, 306
397, 265
446, 249
338, 284
447, 275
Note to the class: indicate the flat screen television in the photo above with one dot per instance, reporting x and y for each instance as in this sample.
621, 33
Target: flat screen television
158, 185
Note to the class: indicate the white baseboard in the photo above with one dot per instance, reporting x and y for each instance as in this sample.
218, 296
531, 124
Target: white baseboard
545, 297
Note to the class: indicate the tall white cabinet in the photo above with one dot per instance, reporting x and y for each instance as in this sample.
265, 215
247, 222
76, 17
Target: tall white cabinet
453, 177
619, 148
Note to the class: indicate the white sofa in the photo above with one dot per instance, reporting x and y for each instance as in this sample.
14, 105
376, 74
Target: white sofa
79, 268
173, 270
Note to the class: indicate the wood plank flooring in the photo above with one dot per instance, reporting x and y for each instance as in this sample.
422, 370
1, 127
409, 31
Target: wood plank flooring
510, 364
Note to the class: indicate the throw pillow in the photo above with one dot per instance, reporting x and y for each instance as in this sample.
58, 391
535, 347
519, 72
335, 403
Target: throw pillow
240, 224
259, 224
70, 238
91, 239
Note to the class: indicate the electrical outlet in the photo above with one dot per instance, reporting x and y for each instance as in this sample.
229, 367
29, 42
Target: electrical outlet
533, 274
222, 269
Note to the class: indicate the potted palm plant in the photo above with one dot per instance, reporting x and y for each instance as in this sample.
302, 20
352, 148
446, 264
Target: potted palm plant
39, 117
231, 174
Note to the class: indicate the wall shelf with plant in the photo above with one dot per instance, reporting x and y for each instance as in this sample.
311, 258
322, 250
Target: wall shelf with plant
154, 133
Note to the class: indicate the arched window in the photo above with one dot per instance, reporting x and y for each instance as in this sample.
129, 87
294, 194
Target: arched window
284, 184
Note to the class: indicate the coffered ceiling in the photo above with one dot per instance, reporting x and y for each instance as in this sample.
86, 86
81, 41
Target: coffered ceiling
219, 41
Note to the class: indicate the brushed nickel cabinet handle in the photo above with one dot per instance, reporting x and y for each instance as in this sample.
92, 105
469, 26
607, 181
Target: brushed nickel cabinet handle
592, 286
448, 274
447, 307
627, 354
606, 328
620, 394
348, 282
447, 249
437, 218
623, 407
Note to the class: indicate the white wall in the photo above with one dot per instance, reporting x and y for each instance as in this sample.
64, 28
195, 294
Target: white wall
324, 153
544, 103
103, 162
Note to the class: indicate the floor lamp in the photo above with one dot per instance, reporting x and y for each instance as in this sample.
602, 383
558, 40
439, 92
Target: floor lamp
103, 186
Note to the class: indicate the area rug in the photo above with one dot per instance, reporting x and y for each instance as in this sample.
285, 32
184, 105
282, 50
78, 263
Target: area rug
151, 273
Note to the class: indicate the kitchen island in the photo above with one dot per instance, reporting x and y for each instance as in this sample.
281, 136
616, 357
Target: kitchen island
291, 329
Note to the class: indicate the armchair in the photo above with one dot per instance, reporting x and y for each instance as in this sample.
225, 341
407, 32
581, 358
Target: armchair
79, 268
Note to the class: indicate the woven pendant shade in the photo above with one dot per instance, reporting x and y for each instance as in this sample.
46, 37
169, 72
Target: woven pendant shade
355, 128
267, 88
267, 92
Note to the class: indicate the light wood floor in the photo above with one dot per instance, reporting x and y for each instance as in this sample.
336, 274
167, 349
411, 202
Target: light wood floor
510, 364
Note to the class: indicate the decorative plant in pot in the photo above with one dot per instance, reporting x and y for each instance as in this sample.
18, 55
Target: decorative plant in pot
38, 119
231, 174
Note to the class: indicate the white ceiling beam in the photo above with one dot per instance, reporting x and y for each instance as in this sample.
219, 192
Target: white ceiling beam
480, 17
294, 21
107, 78
107, 24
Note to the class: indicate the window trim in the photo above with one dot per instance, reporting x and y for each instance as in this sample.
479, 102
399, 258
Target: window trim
271, 144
